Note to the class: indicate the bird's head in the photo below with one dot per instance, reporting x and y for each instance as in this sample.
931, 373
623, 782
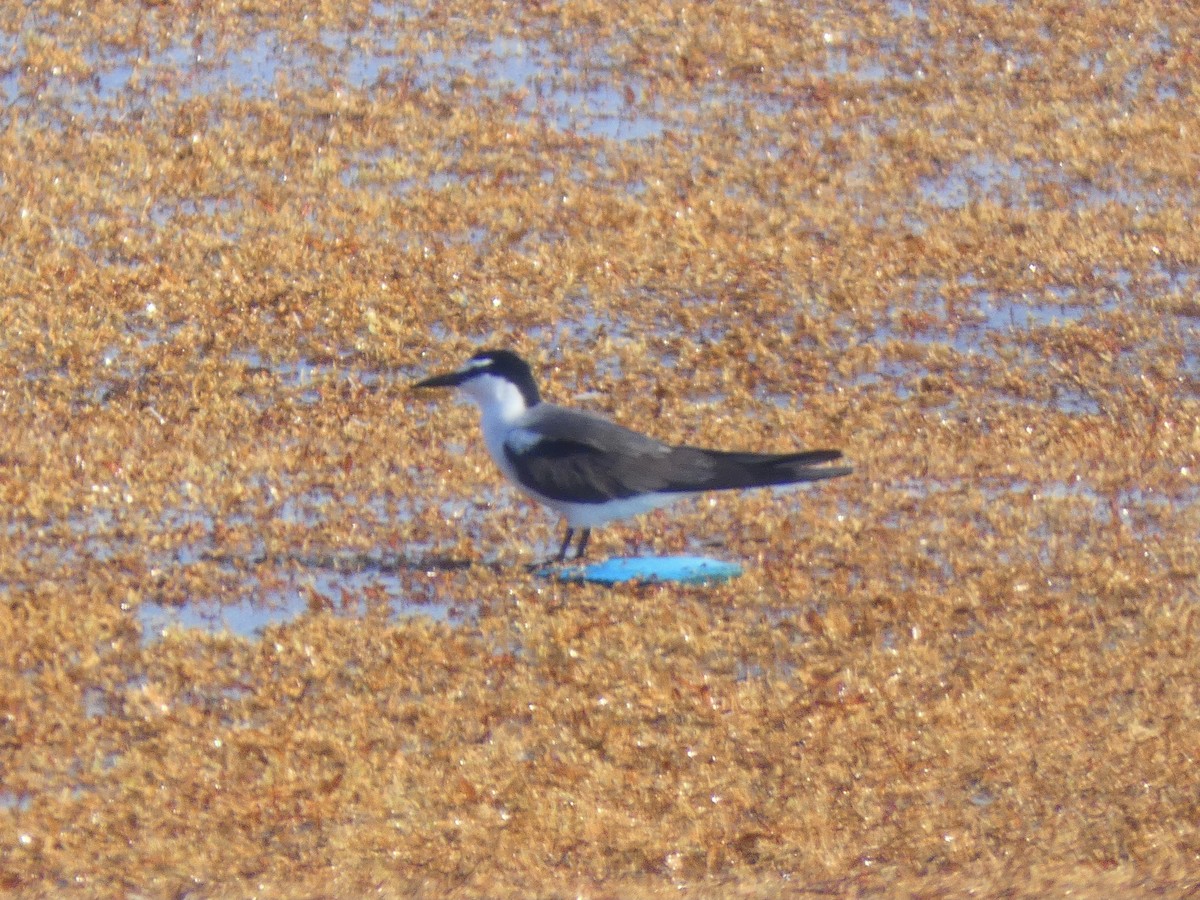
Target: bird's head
495, 379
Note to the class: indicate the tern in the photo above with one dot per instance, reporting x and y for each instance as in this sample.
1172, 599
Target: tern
591, 470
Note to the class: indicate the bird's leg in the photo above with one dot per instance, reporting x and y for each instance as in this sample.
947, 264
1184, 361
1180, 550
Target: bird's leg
583, 541
562, 551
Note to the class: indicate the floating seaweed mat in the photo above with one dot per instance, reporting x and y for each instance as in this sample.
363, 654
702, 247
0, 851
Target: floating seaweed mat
648, 569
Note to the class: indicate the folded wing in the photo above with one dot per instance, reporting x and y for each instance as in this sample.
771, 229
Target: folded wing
573, 456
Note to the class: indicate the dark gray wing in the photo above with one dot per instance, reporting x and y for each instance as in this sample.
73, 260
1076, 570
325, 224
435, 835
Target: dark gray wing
564, 454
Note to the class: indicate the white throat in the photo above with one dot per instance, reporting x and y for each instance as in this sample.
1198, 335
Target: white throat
500, 404
498, 398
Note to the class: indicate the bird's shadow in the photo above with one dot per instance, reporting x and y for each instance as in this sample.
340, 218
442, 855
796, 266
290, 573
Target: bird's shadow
381, 563
394, 565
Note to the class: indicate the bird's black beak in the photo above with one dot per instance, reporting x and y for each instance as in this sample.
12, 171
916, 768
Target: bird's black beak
450, 379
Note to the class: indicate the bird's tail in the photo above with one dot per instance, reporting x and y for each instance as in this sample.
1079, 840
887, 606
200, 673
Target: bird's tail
718, 470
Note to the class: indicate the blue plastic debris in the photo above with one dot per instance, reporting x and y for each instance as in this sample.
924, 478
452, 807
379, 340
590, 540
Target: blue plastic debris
650, 569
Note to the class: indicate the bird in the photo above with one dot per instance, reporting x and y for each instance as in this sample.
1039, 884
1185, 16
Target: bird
592, 470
